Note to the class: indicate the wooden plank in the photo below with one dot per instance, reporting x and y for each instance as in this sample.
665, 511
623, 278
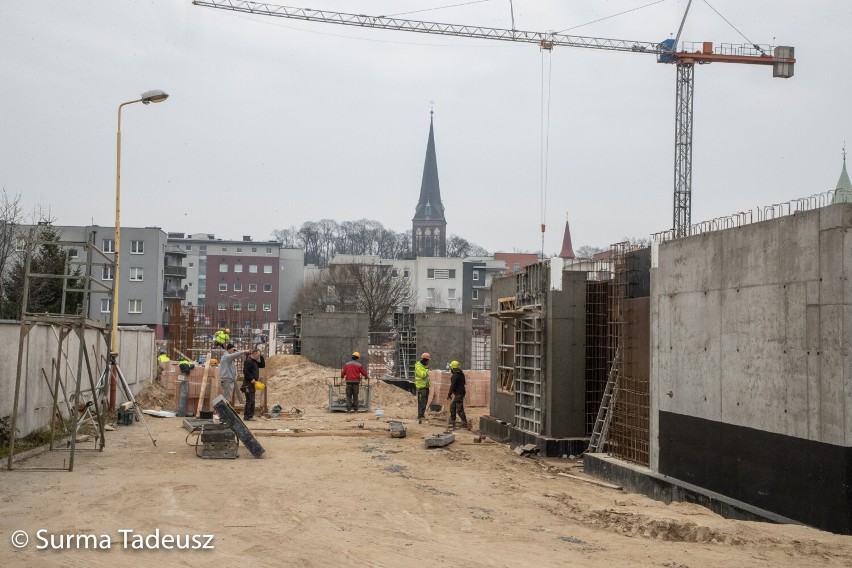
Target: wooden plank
342, 433
203, 400
592, 481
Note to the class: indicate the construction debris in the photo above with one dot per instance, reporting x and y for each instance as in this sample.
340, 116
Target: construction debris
397, 429
526, 450
440, 440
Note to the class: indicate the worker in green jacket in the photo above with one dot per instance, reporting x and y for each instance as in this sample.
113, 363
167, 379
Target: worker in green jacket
421, 381
222, 338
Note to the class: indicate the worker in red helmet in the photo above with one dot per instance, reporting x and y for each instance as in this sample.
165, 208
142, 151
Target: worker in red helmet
421, 381
352, 373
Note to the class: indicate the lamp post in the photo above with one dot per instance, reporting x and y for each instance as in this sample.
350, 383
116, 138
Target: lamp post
155, 96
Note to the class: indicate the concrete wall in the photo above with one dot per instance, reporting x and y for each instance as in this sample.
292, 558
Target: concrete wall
749, 392
136, 359
565, 359
330, 338
446, 337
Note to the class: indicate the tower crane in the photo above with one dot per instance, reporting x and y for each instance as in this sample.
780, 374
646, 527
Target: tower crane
684, 57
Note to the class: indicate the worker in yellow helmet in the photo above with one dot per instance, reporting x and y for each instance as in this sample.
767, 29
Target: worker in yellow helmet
421, 381
457, 393
352, 373
222, 338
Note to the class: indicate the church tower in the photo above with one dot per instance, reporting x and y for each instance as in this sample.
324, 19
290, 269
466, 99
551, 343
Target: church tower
429, 227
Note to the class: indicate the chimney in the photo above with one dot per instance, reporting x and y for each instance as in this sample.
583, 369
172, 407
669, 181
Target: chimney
567, 249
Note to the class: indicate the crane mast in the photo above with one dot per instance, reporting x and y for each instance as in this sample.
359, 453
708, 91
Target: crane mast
781, 58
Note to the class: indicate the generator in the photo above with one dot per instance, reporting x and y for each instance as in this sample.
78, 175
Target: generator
217, 441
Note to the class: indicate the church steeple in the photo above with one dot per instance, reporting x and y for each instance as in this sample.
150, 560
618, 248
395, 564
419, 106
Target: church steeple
844, 186
429, 227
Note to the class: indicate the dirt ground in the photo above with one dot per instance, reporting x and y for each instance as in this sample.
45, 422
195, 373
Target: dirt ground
361, 499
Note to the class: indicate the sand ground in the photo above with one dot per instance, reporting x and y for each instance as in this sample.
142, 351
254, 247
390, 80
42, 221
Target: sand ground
363, 499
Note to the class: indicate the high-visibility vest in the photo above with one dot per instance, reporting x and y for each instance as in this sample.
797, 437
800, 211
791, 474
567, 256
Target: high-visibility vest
421, 375
163, 358
222, 337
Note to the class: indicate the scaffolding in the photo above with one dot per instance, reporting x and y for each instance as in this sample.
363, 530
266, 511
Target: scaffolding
598, 356
480, 358
80, 393
405, 354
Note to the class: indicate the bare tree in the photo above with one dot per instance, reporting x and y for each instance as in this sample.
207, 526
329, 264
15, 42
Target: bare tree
287, 237
311, 295
587, 251
379, 291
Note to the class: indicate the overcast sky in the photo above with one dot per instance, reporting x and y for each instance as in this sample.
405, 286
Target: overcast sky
273, 122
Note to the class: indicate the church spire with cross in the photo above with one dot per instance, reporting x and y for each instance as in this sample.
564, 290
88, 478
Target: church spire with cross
429, 227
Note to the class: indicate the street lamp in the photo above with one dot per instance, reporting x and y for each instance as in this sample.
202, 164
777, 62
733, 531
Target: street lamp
155, 96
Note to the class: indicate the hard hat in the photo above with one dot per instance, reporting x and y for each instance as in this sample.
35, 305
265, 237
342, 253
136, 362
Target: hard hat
162, 352
425, 356
227, 330
259, 385
356, 354
454, 365
214, 361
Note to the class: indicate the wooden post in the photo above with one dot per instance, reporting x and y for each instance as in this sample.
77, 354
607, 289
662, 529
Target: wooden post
202, 395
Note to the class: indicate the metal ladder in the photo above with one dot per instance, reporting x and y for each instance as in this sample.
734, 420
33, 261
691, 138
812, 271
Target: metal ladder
601, 429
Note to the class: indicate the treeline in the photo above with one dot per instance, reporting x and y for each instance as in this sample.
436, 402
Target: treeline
322, 240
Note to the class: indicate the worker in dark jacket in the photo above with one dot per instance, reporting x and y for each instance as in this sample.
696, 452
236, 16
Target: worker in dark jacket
352, 373
457, 393
251, 374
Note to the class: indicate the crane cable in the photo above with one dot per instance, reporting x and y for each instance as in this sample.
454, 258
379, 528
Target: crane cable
545, 138
754, 45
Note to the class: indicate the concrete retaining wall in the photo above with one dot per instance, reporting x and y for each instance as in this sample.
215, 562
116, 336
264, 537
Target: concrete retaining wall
330, 338
41, 349
750, 363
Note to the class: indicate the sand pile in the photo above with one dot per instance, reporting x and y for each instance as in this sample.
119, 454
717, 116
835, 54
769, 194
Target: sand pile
156, 397
292, 380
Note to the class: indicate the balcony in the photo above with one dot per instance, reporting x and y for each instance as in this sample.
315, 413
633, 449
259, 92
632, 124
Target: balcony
174, 294
174, 271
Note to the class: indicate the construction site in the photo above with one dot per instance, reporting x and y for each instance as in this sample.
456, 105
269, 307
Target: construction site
680, 401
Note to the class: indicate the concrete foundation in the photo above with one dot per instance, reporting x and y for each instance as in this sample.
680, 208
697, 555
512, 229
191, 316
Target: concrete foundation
446, 337
547, 446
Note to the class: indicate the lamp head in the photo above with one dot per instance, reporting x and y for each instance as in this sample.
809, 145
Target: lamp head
155, 96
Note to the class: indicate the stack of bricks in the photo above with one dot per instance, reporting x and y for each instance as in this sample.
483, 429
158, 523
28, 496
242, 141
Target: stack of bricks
169, 380
477, 386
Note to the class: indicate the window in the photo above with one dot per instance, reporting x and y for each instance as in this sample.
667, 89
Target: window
253, 249
134, 306
475, 315
430, 293
267, 269
475, 275
252, 287
223, 306
267, 307
253, 268
202, 248
137, 247
73, 253
516, 267
430, 273
223, 267
405, 273
267, 287
238, 287
106, 273
191, 264
135, 274
20, 245
108, 245
106, 306
239, 249
238, 267
252, 307
224, 249
238, 306
451, 294
223, 286
440, 273
190, 284
394, 273
268, 250
188, 247
476, 294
